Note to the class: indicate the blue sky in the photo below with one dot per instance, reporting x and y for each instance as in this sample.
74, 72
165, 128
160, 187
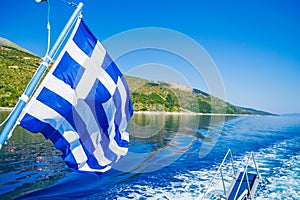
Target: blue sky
254, 44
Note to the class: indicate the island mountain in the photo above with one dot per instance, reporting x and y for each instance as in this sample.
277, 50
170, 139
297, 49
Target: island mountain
18, 66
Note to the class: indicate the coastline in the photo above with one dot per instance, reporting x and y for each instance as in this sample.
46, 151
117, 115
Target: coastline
8, 109
190, 113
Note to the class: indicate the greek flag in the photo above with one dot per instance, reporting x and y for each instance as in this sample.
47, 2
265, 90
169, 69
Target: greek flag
83, 105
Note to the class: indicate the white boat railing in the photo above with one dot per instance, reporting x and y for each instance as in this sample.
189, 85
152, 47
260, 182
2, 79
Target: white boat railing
248, 193
245, 173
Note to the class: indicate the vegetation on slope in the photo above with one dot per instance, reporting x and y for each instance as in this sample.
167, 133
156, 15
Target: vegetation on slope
161, 96
17, 67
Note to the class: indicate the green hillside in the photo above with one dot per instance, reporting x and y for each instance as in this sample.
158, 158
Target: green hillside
161, 96
18, 66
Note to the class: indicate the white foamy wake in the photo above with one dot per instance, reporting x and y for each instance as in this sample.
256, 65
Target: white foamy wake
280, 171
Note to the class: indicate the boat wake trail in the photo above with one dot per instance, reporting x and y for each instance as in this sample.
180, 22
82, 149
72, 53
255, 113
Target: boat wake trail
279, 166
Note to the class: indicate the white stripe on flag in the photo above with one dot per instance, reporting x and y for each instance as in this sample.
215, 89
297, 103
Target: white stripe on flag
99, 49
61, 88
79, 155
87, 116
87, 168
45, 113
123, 94
71, 136
48, 115
99, 154
110, 108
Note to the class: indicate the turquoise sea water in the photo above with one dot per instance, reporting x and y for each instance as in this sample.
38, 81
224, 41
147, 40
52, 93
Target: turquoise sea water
170, 157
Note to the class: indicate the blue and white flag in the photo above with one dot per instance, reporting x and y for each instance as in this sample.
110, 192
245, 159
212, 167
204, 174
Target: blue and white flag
83, 105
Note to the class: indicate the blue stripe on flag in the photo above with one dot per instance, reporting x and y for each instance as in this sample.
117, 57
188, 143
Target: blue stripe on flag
118, 118
121, 143
105, 145
111, 68
64, 146
39, 126
57, 103
50, 133
69, 71
98, 95
92, 161
84, 39
118, 103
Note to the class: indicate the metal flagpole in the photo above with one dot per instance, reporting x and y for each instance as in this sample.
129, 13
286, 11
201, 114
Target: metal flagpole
36, 78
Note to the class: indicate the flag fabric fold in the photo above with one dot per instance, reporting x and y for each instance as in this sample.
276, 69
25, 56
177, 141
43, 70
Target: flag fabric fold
83, 105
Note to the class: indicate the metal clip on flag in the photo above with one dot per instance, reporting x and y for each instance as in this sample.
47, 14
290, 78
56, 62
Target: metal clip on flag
83, 104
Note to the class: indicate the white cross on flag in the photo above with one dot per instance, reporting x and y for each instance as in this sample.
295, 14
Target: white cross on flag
83, 105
